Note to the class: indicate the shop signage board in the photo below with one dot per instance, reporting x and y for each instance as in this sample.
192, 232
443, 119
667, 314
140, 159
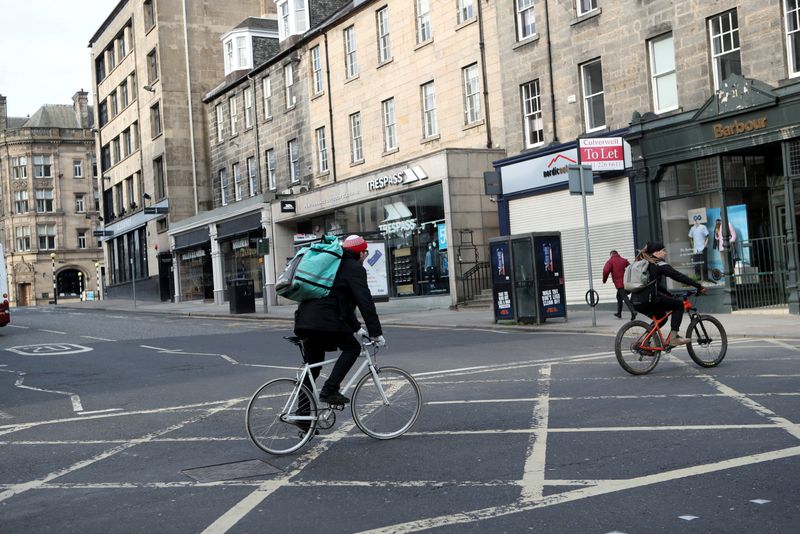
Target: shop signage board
288, 206
406, 176
538, 172
602, 153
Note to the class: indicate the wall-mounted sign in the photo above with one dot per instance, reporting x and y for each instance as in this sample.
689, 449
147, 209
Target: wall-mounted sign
538, 172
242, 242
737, 127
603, 153
407, 176
288, 206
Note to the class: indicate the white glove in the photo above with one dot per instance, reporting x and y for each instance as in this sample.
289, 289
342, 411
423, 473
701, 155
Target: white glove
380, 341
362, 333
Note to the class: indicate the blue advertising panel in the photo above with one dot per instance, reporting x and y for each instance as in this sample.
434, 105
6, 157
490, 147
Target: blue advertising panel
441, 232
550, 276
500, 261
737, 219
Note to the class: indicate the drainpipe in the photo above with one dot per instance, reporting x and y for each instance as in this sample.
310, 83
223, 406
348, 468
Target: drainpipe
330, 108
550, 72
255, 123
482, 47
189, 102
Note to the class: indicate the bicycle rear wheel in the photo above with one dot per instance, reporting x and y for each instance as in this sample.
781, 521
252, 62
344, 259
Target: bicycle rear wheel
631, 355
386, 420
708, 341
268, 417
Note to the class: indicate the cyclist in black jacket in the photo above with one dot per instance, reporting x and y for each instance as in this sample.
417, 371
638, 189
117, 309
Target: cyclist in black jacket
655, 299
329, 323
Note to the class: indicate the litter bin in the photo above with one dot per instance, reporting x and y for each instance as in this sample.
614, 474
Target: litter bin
242, 296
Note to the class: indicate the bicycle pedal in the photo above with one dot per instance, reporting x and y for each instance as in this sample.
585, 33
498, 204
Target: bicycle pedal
339, 407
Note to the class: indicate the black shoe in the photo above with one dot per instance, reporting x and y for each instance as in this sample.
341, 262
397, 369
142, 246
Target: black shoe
618, 315
333, 397
633, 316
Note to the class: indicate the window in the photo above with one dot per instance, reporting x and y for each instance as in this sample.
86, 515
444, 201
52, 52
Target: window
105, 156
350, 59
228, 56
158, 178
316, 70
430, 126
19, 168
100, 68
42, 167
23, 234
223, 187
526, 19
593, 101
664, 79
423, 20
81, 238
44, 200
20, 201
389, 127
132, 82
532, 114
585, 6
119, 202
292, 16
155, 120
271, 163
465, 10
77, 168
234, 111
285, 26
792, 8
121, 43
266, 87
472, 96
248, 107
102, 113
322, 151
241, 51
288, 76
80, 205
294, 161
237, 182
123, 94
129, 192
113, 105
252, 174
384, 37
135, 141
725, 52
152, 66
149, 14
111, 56
218, 109
356, 149
47, 236
115, 150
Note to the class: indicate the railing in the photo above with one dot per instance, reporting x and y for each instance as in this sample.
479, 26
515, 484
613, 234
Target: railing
474, 280
760, 274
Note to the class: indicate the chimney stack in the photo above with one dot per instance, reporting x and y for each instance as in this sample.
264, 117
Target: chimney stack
80, 103
3, 113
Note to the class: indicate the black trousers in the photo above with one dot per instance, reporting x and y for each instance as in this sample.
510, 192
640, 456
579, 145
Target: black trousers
622, 296
700, 261
318, 342
660, 305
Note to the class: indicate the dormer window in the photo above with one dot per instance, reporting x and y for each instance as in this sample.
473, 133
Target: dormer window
238, 52
292, 16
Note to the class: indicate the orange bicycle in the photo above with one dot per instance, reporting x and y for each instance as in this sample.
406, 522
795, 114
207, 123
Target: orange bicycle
639, 345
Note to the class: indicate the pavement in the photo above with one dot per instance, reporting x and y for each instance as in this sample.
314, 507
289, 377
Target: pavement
436, 312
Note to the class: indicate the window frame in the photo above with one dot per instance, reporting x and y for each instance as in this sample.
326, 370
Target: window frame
288, 85
266, 89
233, 110
389, 120
383, 30
45, 165
716, 58
350, 52
237, 181
529, 8
472, 100
81, 239
252, 175
77, 168
422, 21
149, 14
587, 97
655, 77
293, 152
152, 66
49, 236
581, 11
22, 238
532, 113
223, 186
248, 107
316, 71
466, 11
80, 203
322, 150
356, 143
220, 120
271, 162
21, 200
19, 167
156, 127
792, 47
44, 201
430, 122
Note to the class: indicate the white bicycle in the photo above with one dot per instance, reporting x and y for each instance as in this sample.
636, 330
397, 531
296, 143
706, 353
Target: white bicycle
284, 414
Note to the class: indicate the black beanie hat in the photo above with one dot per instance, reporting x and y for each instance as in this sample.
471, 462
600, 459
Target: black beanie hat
655, 246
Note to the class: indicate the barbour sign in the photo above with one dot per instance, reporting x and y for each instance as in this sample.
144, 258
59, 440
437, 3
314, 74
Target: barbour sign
738, 127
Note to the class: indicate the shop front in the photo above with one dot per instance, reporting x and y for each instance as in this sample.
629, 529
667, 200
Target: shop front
407, 215
720, 186
238, 246
535, 198
193, 252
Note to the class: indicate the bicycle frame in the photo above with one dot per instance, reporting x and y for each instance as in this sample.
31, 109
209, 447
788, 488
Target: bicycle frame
657, 323
305, 371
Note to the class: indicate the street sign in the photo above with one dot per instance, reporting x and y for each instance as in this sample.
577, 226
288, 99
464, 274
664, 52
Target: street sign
156, 210
578, 174
103, 233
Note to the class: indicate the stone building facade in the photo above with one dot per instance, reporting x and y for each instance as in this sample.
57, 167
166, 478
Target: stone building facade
152, 62
49, 203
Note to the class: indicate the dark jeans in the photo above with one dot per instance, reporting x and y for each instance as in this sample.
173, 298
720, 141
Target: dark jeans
660, 305
622, 296
318, 342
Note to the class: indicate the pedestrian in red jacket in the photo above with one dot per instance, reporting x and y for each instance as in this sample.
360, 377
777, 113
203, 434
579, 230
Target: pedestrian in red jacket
615, 266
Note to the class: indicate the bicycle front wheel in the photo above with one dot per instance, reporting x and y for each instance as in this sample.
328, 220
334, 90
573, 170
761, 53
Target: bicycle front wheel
273, 416
392, 417
633, 355
708, 341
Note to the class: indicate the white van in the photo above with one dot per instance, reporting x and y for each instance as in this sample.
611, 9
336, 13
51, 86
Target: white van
5, 316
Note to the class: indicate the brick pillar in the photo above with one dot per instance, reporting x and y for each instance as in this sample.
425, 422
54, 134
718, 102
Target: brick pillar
80, 103
3, 113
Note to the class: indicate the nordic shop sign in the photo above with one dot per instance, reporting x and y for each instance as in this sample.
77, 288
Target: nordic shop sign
407, 176
538, 172
603, 153
737, 127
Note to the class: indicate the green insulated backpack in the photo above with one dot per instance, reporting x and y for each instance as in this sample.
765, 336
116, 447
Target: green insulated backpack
311, 272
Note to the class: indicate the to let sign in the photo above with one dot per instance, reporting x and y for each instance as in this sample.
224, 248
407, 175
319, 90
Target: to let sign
603, 153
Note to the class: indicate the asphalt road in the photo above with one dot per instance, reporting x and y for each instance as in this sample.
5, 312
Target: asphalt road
135, 423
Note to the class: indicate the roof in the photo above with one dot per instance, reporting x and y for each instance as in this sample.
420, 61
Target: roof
257, 23
16, 122
55, 116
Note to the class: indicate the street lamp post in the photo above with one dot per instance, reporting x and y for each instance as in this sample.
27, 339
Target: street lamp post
133, 279
55, 288
97, 275
80, 284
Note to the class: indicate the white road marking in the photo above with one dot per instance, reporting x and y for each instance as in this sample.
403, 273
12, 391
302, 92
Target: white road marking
223, 356
17, 489
782, 344
4, 415
17, 326
99, 338
73, 397
53, 331
49, 349
760, 501
100, 411
533, 474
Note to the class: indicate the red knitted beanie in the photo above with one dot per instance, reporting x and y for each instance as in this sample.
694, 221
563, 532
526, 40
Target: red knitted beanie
355, 243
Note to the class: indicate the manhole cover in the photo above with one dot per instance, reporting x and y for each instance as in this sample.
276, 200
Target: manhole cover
231, 471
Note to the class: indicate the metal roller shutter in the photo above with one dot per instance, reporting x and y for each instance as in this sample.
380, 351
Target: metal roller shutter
610, 227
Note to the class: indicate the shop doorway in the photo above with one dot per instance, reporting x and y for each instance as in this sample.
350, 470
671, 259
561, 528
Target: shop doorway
69, 283
166, 282
24, 294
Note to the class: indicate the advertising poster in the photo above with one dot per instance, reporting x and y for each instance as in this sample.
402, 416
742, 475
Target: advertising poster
737, 218
375, 265
501, 281
441, 234
547, 253
501, 265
